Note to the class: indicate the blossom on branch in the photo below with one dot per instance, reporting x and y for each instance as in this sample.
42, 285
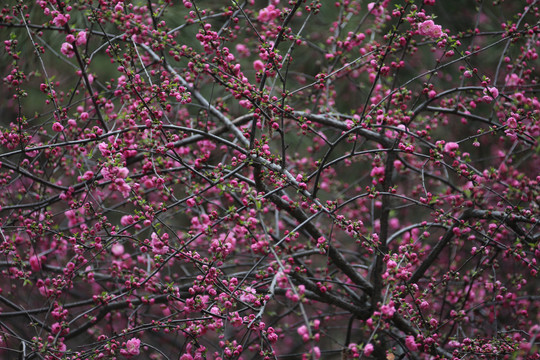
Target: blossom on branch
67, 49
428, 28
132, 347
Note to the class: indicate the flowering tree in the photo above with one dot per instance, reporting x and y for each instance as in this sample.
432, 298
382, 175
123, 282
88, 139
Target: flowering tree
261, 180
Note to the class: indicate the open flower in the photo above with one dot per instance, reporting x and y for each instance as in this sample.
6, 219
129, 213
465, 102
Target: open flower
368, 349
268, 14
375, 10
132, 348
67, 49
450, 146
490, 93
81, 38
57, 127
411, 343
258, 65
60, 20
428, 28
158, 246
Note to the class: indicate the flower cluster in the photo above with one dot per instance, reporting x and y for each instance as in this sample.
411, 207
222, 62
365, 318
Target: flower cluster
269, 179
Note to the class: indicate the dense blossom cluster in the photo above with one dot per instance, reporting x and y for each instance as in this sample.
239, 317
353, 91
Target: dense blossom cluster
269, 179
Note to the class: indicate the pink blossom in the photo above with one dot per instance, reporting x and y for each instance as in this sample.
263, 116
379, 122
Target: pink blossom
512, 135
117, 249
368, 349
245, 103
316, 352
248, 295
411, 343
103, 147
268, 14
272, 336
127, 220
511, 122
158, 246
512, 80
215, 310
377, 171
243, 50
122, 172
60, 20
107, 175
428, 28
67, 49
81, 38
243, 238
88, 175
377, 11
56, 328
57, 127
258, 65
450, 146
534, 331
490, 93
389, 309
123, 187
302, 330
35, 263
394, 222
132, 347
43, 291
